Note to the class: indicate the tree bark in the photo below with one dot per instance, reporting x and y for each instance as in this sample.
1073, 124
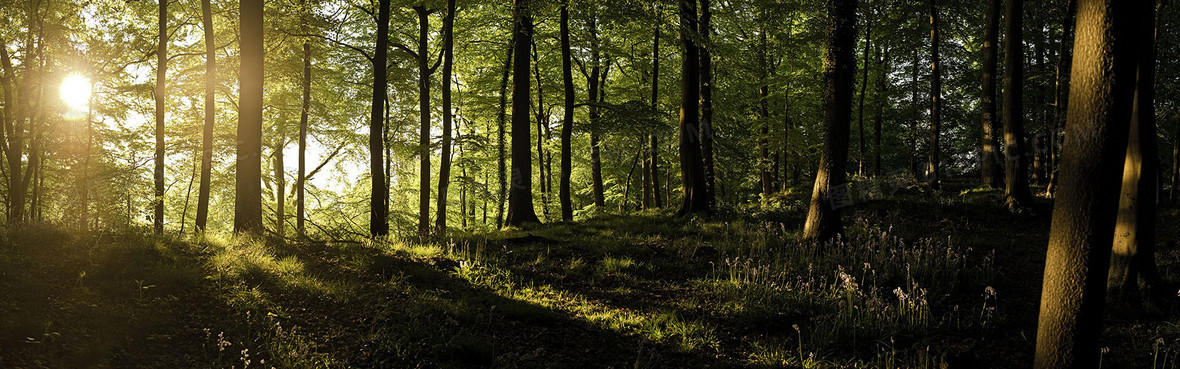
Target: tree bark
1062, 93
654, 165
379, 195
424, 73
280, 182
989, 157
764, 117
691, 166
934, 168
706, 61
304, 113
502, 145
1016, 191
248, 197
161, 96
864, 85
444, 170
520, 197
595, 82
882, 99
14, 130
823, 217
210, 116
1086, 206
567, 123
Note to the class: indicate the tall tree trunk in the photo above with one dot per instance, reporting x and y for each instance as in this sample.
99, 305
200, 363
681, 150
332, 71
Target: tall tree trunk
864, 84
14, 130
1061, 94
424, 73
934, 168
691, 166
502, 145
280, 183
379, 195
248, 197
161, 96
304, 113
654, 145
882, 99
1133, 257
706, 61
210, 116
542, 121
989, 157
1016, 191
444, 166
596, 76
567, 122
787, 139
823, 217
520, 197
1087, 203
1038, 65
913, 131
764, 117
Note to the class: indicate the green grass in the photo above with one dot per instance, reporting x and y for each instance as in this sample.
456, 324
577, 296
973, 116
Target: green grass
922, 280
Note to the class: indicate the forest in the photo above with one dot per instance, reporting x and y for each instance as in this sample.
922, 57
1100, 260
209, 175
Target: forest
589, 184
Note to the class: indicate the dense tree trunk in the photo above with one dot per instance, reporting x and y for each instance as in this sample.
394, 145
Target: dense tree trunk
444, 166
248, 197
1086, 206
161, 96
1061, 93
520, 197
304, 113
379, 195
691, 166
1016, 191
706, 61
594, 84
14, 130
934, 167
210, 116
424, 73
823, 217
654, 144
989, 167
864, 84
501, 144
567, 122
1133, 257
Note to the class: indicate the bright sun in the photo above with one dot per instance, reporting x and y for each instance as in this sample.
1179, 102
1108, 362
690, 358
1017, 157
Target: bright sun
75, 91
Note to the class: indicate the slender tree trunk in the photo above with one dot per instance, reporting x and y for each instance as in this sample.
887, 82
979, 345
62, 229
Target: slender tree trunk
210, 116
934, 168
520, 197
864, 84
595, 83
1016, 191
280, 183
913, 131
654, 165
706, 61
542, 121
424, 73
823, 217
161, 96
379, 196
764, 118
187, 195
787, 139
14, 130
444, 166
1038, 65
1087, 203
304, 114
692, 170
502, 145
248, 197
989, 158
882, 99
1062, 93
567, 123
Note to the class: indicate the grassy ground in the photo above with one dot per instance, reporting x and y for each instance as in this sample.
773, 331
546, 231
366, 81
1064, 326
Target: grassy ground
922, 281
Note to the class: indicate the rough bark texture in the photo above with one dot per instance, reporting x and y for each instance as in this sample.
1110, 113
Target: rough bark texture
248, 197
691, 167
823, 217
567, 122
1084, 214
1016, 191
706, 30
989, 167
444, 166
210, 115
379, 196
160, 95
520, 196
934, 167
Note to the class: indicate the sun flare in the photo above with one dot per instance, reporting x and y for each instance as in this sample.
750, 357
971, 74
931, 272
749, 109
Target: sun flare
75, 91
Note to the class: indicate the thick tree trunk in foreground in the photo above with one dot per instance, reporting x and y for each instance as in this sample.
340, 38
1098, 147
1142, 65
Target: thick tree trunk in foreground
1086, 206
567, 122
989, 158
691, 166
706, 61
520, 196
210, 115
934, 167
444, 166
823, 217
1016, 191
379, 196
161, 96
248, 197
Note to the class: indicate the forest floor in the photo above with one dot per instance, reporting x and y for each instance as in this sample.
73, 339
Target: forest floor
923, 280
